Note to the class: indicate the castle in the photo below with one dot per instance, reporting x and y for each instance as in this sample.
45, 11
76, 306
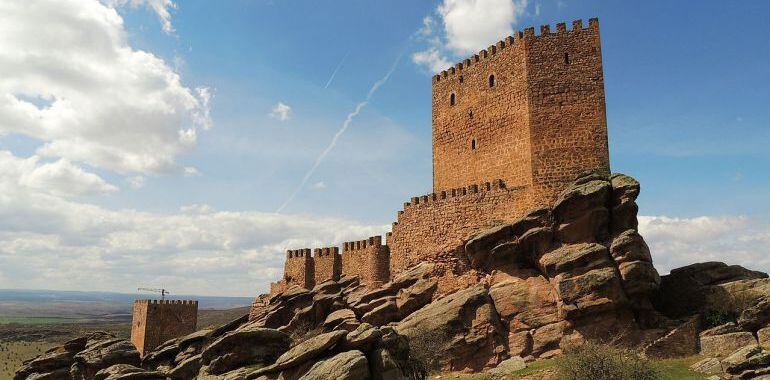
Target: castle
512, 126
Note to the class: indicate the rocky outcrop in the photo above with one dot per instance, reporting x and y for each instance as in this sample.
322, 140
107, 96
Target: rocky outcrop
679, 342
462, 330
101, 354
708, 287
531, 288
246, 345
237, 351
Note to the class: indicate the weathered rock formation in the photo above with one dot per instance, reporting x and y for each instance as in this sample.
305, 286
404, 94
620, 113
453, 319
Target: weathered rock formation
528, 289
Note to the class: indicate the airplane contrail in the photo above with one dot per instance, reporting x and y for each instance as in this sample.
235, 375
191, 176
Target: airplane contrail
334, 73
349, 119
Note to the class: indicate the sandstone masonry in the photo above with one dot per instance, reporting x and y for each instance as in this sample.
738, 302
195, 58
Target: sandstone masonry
154, 322
512, 126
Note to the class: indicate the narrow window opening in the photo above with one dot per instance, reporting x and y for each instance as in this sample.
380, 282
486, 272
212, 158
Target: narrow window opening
452, 99
566, 58
470, 114
473, 144
492, 80
461, 78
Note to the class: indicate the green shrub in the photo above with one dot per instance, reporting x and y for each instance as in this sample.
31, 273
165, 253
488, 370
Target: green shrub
714, 318
591, 361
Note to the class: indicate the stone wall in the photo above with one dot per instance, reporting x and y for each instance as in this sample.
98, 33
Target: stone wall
298, 269
484, 135
568, 123
529, 110
368, 259
431, 225
327, 264
154, 322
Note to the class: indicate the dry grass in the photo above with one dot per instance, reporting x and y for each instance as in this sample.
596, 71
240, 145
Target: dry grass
13, 354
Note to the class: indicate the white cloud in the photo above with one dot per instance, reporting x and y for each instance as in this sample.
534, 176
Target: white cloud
281, 111
104, 103
676, 242
162, 8
48, 242
190, 171
472, 25
468, 26
59, 178
432, 59
136, 182
319, 186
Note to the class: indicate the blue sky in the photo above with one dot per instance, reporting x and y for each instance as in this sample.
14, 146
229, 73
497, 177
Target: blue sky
217, 110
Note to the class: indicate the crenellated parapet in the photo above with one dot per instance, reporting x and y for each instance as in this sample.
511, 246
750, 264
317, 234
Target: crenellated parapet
431, 226
368, 259
517, 41
328, 264
298, 269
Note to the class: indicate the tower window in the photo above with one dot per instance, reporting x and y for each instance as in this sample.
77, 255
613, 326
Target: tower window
473, 144
566, 58
452, 99
461, 78
492, 80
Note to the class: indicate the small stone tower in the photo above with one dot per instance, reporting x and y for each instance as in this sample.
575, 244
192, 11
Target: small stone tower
154, 322
529, 110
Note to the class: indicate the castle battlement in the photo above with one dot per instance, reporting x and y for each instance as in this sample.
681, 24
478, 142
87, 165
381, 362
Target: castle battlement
327, 251
458, 192
167, 302
519, 38
303, 253
349, 246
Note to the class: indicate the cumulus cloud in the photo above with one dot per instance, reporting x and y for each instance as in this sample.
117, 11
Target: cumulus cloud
59, 178
468, 26
162, 9
432, 59
675, 242
50, 242
100, 101
472, 25
281, 111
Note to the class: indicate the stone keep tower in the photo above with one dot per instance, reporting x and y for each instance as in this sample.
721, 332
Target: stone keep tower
529, 110
154, 322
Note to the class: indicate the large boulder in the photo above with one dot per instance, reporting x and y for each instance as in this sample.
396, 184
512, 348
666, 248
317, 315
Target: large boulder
128, 372
623, 205
747, 362
703, 288
581, 212
309, 349
101, 354
756, 316
248, 345
682, 341
461, 331
724, 344
57, 362
349, 365
596, 291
